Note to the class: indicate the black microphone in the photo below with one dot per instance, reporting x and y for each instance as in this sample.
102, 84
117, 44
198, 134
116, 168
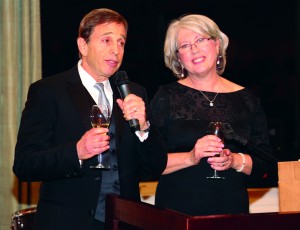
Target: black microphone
122, 83
230, 134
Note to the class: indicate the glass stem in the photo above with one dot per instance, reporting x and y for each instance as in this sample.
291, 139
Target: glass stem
100, 158
215, 173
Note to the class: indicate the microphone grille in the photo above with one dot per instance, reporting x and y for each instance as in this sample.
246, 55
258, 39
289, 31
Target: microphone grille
121, 78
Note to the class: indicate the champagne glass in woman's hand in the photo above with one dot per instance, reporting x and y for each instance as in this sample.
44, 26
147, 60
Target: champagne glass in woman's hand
100, 117
215, 128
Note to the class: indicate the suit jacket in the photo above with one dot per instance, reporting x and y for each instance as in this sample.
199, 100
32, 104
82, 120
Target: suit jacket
56, 115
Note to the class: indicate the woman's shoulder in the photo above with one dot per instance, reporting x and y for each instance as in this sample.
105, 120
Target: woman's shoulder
167, 92
170, 85
170, 88
227, 86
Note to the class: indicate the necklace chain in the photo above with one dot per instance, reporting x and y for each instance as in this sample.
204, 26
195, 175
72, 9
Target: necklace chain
211, 102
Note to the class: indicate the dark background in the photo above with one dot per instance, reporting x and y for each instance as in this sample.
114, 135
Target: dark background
262, 53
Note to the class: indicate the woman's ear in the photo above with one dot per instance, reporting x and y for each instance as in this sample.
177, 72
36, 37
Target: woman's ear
218, 42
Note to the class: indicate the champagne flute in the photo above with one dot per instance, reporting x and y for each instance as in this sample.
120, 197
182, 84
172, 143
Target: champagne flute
100, 117
215, 128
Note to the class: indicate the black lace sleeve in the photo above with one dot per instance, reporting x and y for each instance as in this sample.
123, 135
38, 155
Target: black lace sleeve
262, 154
159, 109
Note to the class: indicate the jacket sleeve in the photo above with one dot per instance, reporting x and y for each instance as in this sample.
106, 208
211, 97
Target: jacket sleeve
152, 152
38, 156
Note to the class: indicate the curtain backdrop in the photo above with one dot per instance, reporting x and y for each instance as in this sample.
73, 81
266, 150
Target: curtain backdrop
20, 65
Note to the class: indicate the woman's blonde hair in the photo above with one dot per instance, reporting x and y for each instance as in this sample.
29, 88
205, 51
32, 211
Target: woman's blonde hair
199, 24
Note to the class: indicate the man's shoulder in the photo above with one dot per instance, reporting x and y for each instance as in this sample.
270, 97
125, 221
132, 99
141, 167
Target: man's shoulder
73, 70
59, 77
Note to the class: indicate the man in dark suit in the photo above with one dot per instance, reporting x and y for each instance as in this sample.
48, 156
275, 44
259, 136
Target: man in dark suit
57, 145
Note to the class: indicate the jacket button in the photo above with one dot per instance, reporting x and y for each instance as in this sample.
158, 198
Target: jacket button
115, 167
91, 212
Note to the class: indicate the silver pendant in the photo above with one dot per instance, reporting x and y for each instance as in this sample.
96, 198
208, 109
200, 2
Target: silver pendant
211, 104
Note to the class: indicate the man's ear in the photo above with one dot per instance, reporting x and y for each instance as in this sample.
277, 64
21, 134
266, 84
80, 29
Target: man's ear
82, 46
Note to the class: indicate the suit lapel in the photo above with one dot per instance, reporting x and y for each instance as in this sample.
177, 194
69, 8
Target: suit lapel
81, 98
83, 101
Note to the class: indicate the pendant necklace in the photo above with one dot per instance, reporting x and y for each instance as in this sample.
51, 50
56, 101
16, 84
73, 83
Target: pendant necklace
211, 102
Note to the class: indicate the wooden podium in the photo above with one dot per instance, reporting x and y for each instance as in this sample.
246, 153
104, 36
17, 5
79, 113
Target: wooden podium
122, 214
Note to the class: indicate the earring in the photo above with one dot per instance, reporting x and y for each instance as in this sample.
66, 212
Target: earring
219, 62
182, 71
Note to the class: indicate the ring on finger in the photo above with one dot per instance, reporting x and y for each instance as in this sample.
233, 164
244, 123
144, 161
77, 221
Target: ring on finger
223, 163
135, 109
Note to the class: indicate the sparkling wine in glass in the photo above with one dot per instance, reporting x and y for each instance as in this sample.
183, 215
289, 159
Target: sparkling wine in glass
100, 117
215, 128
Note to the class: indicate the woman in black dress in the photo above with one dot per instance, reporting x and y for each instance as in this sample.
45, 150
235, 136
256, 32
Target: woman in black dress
195, 51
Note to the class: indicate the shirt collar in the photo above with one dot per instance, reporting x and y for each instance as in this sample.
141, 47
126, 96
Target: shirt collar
89, 82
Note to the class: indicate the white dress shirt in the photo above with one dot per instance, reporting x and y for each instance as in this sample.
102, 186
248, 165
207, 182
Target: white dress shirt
89, 83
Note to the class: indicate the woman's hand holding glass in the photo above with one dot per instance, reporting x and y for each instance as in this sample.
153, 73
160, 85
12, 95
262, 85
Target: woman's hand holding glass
221, 163
206, 147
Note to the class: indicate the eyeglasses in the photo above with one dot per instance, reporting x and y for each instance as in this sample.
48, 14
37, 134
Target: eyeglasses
185, 48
